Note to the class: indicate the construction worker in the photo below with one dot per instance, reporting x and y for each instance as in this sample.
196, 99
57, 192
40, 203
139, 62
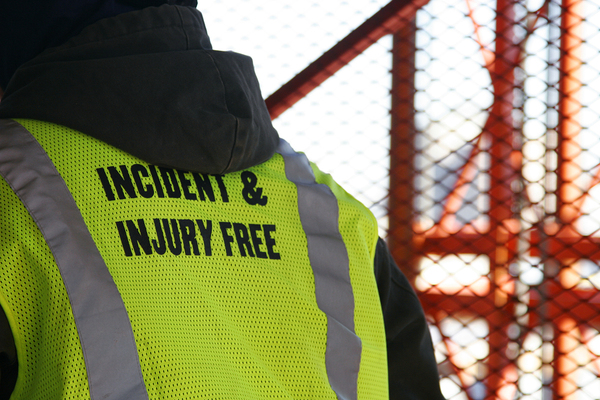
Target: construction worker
159, 241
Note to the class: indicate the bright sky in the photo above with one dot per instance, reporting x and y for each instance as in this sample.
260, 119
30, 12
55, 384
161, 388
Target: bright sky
343, 124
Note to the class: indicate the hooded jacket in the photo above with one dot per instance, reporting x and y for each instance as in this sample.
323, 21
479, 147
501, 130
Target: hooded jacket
149, 83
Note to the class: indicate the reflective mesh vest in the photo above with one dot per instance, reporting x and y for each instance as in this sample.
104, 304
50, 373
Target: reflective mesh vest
134, 281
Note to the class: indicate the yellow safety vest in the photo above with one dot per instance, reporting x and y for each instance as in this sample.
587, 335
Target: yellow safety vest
134, 281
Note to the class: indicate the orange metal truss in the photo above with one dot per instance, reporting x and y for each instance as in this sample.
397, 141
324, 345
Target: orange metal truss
557, 301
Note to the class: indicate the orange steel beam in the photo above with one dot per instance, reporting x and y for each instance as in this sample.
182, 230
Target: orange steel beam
454, 244
402, 137
568, 171
569, 108
565, 245
583, 304
571, 247
502, 174
567, 341
392, 17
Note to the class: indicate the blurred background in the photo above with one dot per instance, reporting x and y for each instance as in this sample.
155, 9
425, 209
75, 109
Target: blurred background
471, 129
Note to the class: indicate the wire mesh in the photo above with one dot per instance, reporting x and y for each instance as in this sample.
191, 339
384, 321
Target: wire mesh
505, 179
471, 129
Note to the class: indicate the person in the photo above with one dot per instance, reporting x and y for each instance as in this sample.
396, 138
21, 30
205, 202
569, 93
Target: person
159, 240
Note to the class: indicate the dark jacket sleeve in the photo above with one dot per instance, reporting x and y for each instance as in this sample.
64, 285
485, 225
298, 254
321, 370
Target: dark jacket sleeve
8, 358
412, 367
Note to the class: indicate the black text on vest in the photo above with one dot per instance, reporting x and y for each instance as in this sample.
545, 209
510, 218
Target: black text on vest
130, 182
193, 237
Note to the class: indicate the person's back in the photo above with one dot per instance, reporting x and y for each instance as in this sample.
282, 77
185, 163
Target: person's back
181, 250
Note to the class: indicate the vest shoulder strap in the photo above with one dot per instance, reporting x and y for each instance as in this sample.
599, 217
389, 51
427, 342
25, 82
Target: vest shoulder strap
319, 215
109, 349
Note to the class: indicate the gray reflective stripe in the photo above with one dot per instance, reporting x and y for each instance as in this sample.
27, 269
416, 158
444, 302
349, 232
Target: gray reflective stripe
109, 349
319, 213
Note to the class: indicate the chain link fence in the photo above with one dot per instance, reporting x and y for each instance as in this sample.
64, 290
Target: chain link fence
471, 128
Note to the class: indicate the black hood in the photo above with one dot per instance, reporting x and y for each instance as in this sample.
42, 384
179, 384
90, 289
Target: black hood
149, 83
